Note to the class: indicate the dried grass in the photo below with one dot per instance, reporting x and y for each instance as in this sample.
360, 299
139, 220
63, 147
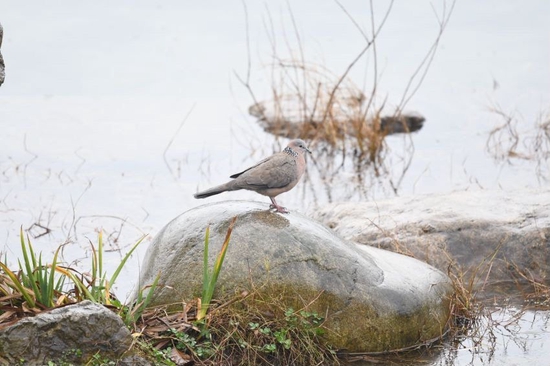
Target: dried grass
248, 329
506, 143
345, 125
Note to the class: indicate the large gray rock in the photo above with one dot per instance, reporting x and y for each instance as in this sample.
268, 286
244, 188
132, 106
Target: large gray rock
71, 334
464, 228
374, 300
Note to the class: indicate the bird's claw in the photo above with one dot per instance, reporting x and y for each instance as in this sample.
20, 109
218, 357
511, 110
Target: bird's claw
278, 208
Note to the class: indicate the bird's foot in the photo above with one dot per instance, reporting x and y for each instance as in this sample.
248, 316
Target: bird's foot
278, 208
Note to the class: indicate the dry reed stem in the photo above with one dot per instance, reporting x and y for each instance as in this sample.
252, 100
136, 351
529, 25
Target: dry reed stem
506, 143
342, 123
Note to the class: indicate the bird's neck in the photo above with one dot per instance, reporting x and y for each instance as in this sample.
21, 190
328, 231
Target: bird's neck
288, 150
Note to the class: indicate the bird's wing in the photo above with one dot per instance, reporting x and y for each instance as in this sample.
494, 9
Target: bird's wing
252, 167
277, 171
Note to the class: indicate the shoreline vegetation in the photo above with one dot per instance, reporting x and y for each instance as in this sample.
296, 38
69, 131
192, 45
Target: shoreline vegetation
244, 328
238, 328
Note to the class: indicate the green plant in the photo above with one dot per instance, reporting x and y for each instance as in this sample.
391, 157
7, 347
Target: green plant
210, 279
189, 343
282, 338
96, 287
100, 286
254, 328
38, 277
262, 329
162, 357
98, 360
13, 288
134, 311
35, 283
303, 321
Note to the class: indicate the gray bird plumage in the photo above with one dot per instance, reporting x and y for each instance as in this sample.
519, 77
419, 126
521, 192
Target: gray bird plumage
270, 177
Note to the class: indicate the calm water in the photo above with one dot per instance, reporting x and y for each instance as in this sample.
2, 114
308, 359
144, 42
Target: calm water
94, 134
504, 336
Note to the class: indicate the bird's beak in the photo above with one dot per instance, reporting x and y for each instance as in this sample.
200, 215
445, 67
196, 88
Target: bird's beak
308, 150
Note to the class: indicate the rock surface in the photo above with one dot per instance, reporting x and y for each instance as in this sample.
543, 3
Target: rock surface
374, 300
71, 334
467, 228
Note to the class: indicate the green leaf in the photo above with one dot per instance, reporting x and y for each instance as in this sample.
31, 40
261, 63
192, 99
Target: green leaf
123, 262
210, 279
51, 281
29, 270
81, 286
134, 313
100, 260
205, 272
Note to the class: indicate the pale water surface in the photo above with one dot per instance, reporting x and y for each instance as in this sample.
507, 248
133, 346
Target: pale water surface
95, 95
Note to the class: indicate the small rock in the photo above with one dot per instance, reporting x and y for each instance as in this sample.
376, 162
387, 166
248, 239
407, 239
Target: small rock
71, 334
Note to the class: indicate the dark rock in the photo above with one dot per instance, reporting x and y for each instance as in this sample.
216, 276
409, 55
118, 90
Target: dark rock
71, 334
2, 66
401, 123
374, 300
464, 228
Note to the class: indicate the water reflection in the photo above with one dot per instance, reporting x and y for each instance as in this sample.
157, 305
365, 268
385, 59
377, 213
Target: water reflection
347, 130
507, 143
502, 336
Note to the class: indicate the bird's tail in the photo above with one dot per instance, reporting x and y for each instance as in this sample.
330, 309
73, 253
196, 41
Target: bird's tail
215, 190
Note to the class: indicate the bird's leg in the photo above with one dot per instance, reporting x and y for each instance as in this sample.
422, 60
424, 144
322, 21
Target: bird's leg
277, 208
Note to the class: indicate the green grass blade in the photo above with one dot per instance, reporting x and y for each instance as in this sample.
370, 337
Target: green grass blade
24, 278
29, 274
140, 305
51, 281
81, 286
31, 250
42, 275
25, 254
123, 262
101, 277
151, 291
205, 272
210, 280
221, 255
94, 269
60, 283
18, 285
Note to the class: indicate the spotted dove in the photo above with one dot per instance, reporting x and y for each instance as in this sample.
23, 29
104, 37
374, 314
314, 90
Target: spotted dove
272, 176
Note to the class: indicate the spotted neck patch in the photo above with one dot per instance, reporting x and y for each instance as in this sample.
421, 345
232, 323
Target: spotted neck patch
290, 152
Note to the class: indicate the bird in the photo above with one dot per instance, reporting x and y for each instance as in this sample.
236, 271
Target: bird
270, 177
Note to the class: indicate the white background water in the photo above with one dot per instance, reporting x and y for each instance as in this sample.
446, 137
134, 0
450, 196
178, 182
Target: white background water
95, 95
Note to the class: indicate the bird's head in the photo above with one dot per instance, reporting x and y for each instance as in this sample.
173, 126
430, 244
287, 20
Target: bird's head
299, 146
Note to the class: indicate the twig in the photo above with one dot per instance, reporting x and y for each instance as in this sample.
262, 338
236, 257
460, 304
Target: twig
164, 154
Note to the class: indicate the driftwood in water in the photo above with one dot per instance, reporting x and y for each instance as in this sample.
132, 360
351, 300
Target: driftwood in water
291, 119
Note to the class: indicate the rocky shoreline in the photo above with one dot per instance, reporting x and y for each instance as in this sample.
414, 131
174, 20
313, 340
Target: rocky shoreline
375, 300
